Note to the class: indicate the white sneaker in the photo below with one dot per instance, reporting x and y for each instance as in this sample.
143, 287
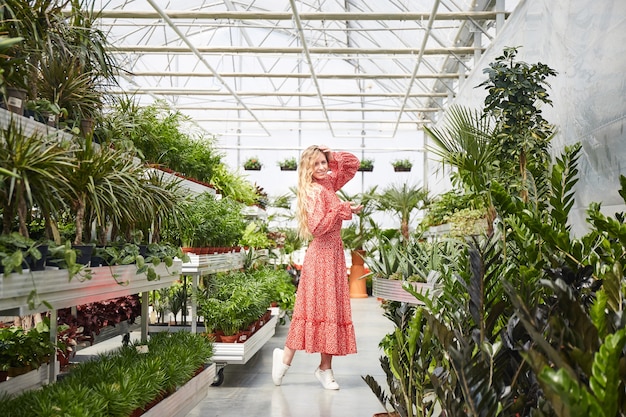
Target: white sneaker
279, 369
327, 378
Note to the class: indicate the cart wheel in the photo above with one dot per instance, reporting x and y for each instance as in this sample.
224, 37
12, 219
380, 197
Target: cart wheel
219, 378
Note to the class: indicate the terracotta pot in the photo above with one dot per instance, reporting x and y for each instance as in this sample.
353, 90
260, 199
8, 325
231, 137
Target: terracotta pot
230, 338
392, 414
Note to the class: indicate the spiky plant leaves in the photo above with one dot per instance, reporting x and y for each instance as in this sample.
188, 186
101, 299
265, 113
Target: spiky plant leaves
602, 399
563, 178
527, 318
465, 143
598, 314
376, 389
572, 326
568, 398
474, 374
612, 283
606, 382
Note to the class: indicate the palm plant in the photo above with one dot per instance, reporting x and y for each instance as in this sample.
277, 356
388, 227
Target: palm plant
403, 200
37, 165
466, 143
104, 182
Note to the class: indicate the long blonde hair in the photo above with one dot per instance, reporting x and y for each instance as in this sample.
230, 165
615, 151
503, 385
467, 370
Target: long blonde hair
305, 186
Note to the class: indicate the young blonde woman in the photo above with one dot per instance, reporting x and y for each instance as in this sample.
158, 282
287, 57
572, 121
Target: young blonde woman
322, 317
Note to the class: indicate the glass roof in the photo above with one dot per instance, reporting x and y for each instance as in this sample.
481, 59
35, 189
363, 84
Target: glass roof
260, 67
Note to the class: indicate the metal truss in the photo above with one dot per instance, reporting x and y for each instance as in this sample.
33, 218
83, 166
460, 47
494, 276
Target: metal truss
264, 66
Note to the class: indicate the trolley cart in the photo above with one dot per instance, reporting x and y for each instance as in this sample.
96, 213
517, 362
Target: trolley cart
240, 353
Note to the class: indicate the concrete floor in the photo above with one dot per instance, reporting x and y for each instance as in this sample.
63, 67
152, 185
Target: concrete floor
248, 390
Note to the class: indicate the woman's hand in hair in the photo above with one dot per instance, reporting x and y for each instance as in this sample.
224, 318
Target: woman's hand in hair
326, 150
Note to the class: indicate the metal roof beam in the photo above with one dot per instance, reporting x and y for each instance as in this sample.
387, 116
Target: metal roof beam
235, 50
200, 92
204, 61
258, 15
310, 109
429, 28
293, 75
307, 54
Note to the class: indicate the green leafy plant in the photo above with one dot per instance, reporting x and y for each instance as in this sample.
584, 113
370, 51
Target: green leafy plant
254, 237
366, 165
290, 164
252, 163
402, 163
15, 249
213, 222
120, 382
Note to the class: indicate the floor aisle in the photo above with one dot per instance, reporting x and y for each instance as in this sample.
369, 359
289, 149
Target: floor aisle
248, 390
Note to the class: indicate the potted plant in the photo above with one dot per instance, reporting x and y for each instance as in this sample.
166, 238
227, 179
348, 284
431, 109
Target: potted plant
402, 165
126, 381
38, 165
288, 164
15, 250
252, 164
45, 111
213, 222
367, 165
13, 78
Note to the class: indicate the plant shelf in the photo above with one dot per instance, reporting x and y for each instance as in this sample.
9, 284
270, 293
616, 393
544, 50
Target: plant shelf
240, 353
181, 402
55, 288
212, 263
391, 289
25, 382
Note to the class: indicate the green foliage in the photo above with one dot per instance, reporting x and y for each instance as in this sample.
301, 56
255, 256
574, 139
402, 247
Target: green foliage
119, 382
164, 137
465, 142
402, 163
358, 234
521, 313
255, 237
445, 205
232, 301
403, 200
515, 92
252, 163
288, 163
602, 397
20, 348
212, 222
407, 364
366, 164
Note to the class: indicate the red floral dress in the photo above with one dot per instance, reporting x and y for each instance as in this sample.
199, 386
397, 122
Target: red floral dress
322, 317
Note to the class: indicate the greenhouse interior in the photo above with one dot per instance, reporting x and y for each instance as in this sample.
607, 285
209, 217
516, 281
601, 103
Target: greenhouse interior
427, 193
